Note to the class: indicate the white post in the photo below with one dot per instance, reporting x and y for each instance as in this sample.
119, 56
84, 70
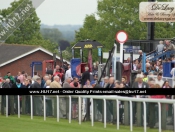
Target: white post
131, 116
31, 106
7, 105
159, 108
92, 113
173, 114
117, 114
115, 55
104, 113
44, 101
19, 106
70, 110
58, 108
144, 111
79, 111
121, 52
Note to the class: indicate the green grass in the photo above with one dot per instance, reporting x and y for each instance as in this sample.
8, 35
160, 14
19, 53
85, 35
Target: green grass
25, 124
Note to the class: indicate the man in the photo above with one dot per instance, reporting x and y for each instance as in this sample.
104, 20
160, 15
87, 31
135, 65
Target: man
37, 100
140, 56
67, 83
68, 73
145, 78
21, 77
140, 83
111, 83
105, 81
160, 47
159, 80
5, 83
37, 83
85, 76
35, 77
12, 80
169, 46
56, 82
46, 77
75, 80
59, 72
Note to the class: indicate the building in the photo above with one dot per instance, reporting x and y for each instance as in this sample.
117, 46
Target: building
18, 57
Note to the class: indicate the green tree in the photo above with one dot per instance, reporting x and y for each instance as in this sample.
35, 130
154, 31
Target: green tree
115, 15
29, 29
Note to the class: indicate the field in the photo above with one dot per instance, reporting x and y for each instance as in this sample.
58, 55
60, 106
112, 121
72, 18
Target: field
25, 124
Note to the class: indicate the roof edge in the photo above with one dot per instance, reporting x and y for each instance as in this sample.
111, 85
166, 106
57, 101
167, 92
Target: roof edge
30, 52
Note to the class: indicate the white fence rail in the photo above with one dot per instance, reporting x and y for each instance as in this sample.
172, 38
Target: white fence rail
104, 98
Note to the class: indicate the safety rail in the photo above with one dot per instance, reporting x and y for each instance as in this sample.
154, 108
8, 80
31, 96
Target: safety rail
104, 98
156, 55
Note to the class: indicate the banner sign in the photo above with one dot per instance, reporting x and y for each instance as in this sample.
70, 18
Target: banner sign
86, 91
157, 11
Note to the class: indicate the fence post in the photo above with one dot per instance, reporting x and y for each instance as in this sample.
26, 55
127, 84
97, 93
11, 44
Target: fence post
164, 117
94, 109
58, 108
2, 104
23, 104
104, 112
139, 113
126, 113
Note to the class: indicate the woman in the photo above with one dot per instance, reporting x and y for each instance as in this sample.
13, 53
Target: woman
88, 84
166, 85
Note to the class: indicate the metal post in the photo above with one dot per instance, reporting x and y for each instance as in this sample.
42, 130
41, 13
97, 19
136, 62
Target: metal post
101, 61
72, 53
115, 55
81, 54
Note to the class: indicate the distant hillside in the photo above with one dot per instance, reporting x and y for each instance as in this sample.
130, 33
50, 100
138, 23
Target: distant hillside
68, 31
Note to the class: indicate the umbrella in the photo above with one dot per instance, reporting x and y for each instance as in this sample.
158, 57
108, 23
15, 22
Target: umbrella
87, 44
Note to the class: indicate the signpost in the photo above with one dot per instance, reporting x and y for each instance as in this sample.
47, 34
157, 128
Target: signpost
121, 37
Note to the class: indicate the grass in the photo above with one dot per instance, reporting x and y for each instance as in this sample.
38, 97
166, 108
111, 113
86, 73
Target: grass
25, 124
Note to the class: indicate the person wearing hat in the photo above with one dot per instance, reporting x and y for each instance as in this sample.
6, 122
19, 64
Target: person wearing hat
145, 78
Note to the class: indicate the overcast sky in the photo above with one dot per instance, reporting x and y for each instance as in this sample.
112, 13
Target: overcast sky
62, 12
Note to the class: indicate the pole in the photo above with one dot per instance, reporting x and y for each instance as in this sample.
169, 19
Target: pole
72, 53
121, 52
115, 55
81, 55
101, 61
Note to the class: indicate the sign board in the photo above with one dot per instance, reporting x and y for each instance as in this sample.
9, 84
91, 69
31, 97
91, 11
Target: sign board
157, 11
129, 49
99, 51
121, 37
88, 46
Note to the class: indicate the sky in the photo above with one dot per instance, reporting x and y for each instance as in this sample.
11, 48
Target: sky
62, 12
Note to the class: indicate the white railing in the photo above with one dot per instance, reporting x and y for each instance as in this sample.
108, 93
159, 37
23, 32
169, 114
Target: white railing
104, 98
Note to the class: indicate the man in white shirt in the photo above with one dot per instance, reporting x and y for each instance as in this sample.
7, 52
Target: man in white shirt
68, 73
159, 80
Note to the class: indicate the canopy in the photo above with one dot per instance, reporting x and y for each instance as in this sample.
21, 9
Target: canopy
87, 44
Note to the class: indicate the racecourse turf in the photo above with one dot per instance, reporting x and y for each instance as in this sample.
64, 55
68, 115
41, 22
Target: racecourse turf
25, 124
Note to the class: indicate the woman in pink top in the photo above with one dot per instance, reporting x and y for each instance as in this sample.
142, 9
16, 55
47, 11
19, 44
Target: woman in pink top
166, 85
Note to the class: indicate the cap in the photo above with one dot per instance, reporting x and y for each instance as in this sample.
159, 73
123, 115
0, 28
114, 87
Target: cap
146, 73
